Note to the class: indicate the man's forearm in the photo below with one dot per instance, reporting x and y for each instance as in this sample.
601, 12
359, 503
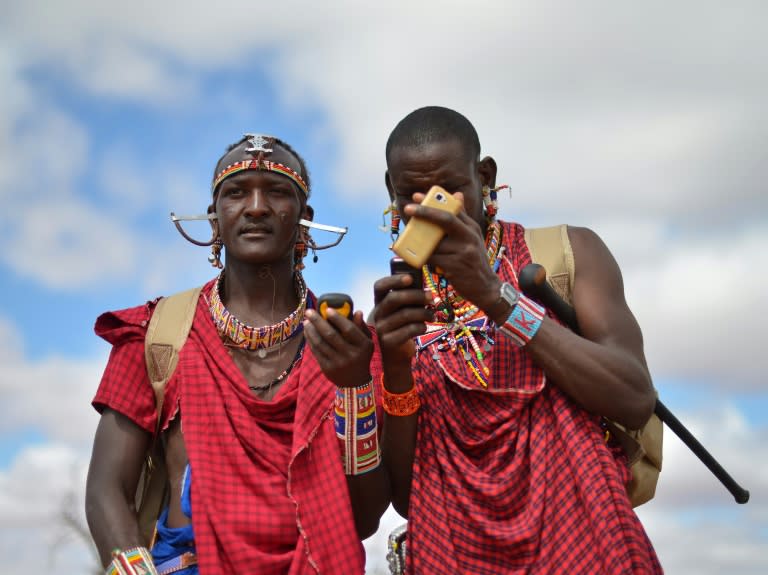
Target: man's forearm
604, 380
113, 523
398, 442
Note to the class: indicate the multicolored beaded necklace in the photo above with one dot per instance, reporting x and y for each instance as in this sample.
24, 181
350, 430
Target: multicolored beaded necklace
459, 323
263, 339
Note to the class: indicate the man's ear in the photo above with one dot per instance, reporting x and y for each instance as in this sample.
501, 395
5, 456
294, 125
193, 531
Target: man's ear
487, 170
390, 189
308, 213
214, 223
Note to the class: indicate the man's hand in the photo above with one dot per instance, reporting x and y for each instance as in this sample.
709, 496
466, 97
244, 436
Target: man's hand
343, 347
399, 316
461, 255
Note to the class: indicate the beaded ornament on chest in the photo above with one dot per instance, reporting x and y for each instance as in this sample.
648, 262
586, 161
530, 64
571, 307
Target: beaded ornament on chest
459, 325
262, 339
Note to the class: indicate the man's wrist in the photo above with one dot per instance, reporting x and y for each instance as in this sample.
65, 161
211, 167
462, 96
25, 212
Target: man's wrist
398, 379
500, 308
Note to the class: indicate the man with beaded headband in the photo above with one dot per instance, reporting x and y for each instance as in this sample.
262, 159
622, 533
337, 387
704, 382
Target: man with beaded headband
492, 434
267, 473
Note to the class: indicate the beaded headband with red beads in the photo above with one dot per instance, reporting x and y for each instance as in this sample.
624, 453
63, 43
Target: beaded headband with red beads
259, 165
259, 145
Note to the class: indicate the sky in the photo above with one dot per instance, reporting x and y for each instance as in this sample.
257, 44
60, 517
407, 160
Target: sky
642, 121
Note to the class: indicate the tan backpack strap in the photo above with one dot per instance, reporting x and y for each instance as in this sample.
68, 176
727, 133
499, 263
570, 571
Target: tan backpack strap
551, 248
168, 330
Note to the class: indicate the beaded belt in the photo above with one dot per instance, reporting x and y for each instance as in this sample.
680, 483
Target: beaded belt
177, 563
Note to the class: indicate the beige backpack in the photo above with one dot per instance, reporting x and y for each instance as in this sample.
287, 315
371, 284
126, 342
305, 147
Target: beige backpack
166, 334
551, 248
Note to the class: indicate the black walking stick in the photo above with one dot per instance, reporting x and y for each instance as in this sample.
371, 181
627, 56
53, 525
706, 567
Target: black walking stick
533, 282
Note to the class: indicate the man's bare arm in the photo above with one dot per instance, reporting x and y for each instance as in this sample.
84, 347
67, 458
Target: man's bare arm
605, 370
119, 448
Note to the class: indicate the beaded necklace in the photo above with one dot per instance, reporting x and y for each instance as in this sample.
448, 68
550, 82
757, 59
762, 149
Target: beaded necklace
263, 339
458, 322
284, 374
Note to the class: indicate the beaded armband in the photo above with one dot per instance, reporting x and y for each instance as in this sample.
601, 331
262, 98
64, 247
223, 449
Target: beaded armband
524, 321
135, 561
400, 404
355, 416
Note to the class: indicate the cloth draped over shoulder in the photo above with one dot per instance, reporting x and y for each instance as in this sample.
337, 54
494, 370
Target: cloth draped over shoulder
515, 478
268, 491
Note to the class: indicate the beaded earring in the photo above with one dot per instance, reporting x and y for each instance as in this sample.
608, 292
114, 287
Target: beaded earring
301, 248
299, 253
312, 246
394, 221
490, 201
215, 257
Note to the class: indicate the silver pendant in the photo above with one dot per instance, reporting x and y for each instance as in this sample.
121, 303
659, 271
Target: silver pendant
258, 143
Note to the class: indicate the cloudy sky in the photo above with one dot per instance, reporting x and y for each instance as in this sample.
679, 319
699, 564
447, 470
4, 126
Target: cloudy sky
644, 121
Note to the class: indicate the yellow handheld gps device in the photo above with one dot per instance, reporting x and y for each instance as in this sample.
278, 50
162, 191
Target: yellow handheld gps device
340, 302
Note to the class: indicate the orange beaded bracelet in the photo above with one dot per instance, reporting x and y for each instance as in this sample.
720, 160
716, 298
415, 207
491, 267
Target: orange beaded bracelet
400, 404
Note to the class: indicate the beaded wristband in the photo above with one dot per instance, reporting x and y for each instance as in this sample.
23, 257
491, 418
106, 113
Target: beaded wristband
400, 404
524, 321
356, 429
134, 561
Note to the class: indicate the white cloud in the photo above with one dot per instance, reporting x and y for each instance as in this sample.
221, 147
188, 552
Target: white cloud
52, 395
42, 485
697, 300
70, 244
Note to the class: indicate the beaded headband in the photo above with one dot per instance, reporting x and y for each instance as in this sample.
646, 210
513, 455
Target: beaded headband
256, 164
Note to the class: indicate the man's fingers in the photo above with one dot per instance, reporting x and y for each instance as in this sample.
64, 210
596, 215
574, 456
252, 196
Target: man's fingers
348, 329
397, 337
385, 285
325, 333
394, 300
319, 347
404, 316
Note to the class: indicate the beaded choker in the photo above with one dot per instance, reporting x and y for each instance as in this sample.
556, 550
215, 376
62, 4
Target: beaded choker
260, 339
458, 321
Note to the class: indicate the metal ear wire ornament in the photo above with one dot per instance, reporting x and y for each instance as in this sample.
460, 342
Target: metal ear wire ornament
341, 232
325, 228
177, 219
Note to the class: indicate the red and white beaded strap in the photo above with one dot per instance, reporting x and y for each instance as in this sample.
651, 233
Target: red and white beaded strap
356, 428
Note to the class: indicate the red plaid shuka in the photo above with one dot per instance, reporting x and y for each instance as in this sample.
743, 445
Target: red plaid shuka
269, 494
515, 478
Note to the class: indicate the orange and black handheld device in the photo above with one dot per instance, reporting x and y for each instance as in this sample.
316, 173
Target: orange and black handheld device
340, 302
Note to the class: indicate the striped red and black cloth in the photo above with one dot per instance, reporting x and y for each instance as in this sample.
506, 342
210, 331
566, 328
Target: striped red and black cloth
269, 494
515, 478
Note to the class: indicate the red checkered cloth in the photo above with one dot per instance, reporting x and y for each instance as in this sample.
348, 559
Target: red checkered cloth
515, 478
269, 494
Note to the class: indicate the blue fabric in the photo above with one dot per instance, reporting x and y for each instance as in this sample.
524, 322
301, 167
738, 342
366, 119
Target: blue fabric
174, 541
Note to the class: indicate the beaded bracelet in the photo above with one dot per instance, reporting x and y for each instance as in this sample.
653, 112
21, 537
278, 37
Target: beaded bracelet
134, 561
356, 429
524, 321
400, 404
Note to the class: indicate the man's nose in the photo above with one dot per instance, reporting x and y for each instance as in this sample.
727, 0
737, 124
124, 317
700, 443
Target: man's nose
257, 202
